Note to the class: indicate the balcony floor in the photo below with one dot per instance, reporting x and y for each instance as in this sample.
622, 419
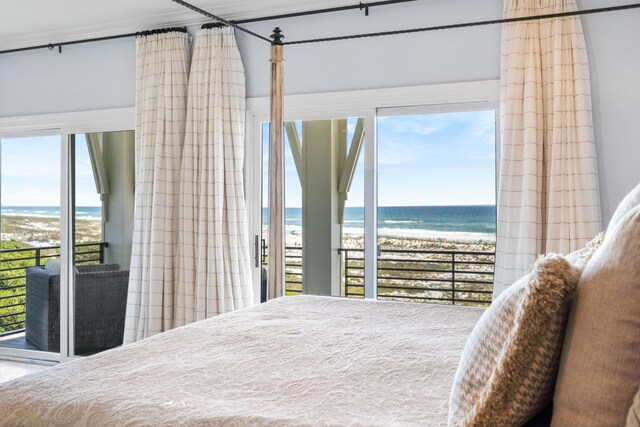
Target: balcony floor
17, 341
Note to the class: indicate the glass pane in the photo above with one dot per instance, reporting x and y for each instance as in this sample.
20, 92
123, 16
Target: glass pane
436, 207
103, 232
30, 251
323, 206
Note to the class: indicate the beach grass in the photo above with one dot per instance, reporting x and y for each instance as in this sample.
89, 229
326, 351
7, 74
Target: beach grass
45, 231
28, 241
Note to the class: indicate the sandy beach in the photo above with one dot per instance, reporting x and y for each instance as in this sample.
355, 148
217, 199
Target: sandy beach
408, 240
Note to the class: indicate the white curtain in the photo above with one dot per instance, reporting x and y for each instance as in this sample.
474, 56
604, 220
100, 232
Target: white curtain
213, 263
162, 69
548, 192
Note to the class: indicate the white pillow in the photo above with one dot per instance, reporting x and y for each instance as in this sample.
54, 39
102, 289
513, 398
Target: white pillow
629, 202
633, 417
53, 265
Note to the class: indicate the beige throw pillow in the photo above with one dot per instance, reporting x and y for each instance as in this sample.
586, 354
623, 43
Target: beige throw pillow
600, 365
507, 370
633, 418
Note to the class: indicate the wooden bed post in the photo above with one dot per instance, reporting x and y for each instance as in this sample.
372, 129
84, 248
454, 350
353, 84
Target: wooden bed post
276, 249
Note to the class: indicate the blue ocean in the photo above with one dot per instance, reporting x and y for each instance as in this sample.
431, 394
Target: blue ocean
88, 212
408, 221
425, 221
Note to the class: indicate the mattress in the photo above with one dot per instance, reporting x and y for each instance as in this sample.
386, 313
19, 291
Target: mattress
294, 361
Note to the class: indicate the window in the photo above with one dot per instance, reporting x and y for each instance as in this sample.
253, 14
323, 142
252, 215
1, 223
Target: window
67, 203
436, 206
419, 220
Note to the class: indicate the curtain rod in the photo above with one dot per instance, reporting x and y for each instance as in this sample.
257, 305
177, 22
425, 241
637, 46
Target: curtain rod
467, 24
360, 6
51, 46
222, 20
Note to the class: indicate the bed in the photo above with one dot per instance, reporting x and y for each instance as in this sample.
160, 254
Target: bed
300, 361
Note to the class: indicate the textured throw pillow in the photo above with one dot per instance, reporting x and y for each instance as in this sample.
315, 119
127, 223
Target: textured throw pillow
581, 257
600, 365
633, 418
630, 201
508, 367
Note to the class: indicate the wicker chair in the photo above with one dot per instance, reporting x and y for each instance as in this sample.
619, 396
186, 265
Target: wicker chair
100, 305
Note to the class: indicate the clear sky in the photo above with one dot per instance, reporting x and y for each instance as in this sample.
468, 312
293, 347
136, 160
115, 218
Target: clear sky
423, 160
437, 159
31, 172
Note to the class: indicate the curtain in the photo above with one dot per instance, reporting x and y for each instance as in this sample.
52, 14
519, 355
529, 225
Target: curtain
548, 198
162, 69
213, 262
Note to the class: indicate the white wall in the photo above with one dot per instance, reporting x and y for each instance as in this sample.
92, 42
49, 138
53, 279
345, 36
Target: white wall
613, 41
101, 75
90, 76
404, 60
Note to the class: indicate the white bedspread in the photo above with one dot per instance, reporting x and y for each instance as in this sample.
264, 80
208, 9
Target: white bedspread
294, 361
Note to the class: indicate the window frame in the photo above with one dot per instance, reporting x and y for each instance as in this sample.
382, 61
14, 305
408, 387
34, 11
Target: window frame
368, 104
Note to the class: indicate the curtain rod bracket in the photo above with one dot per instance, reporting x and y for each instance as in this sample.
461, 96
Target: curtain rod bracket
50, 46
365, 7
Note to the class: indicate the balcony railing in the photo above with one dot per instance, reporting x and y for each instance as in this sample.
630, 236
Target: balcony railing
449, 277
453, 277
13, 265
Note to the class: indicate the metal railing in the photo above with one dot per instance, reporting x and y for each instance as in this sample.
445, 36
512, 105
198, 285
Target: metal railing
292, 266
452, 277
13, 265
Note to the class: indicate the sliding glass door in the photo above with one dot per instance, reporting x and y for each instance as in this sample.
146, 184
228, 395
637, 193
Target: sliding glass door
103, 203
436, 205
402, 209
66, 224
323, 205
30, 226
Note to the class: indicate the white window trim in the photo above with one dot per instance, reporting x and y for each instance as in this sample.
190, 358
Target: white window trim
361, 103
73, 122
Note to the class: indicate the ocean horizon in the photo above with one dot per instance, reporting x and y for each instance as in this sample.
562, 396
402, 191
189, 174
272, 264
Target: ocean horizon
460, 222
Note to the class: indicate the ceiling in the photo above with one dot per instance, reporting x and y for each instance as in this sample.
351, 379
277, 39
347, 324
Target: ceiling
36, 22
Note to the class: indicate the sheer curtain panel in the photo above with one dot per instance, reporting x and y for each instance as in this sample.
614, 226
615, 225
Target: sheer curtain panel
162, 70
213, 251
548, 197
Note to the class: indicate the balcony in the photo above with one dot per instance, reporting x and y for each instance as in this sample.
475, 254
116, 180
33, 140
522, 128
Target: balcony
13, 263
